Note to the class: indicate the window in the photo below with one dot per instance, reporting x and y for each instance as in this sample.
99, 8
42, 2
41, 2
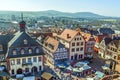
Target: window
79, 56
77, 38
12, 62
1, 47
39, 59
22, 51
77, 49
14, 52
24, 60
29, 60
81, 49
78, 44
25, 41
81, 43
30, 51
73, 44
18, 61
12, 71
71, 57
114, 57
39, 68
26, 69
34, 59
80, 38
73, 49
37, 50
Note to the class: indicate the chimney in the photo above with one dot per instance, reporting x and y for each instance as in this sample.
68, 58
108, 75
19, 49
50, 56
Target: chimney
68, 36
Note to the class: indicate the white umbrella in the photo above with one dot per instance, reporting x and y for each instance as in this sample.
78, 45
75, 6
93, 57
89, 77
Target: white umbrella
85, 67
69, 68
80, 64
77, 70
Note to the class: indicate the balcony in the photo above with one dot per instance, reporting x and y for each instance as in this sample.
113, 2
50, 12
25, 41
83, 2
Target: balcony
27, 64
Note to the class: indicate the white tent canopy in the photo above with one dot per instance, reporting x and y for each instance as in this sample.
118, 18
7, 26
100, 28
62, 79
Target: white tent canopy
80, 64
29, 78
69, 68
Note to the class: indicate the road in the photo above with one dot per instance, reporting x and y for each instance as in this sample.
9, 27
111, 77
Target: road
97, 63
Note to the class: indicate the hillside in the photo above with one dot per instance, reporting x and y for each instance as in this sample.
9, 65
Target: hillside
50, 13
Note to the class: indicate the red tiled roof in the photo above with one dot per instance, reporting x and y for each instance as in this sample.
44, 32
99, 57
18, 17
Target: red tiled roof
52, 44
99, 38
68, 34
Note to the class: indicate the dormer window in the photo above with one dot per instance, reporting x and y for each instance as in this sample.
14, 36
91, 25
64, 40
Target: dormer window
14, 52
30, 51
22, 51
37, 50
25, 41
1, 47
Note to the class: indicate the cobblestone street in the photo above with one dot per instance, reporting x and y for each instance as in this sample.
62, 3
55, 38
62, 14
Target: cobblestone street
97, 63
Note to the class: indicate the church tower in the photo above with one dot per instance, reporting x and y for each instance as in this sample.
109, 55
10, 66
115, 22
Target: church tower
22, 24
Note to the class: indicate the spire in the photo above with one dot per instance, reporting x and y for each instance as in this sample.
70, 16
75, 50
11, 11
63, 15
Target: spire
22, 24
22, 16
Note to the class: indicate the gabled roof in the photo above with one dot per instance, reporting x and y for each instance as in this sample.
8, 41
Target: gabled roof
51, 44
21, 40
4, 39
86, 36
106, 31
107, 40
99, 38
68, 34
18, 40
116, 42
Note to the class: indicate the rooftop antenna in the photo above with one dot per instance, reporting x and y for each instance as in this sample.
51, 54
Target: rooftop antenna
22, 16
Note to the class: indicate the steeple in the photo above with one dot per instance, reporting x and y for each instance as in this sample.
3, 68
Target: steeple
22, 24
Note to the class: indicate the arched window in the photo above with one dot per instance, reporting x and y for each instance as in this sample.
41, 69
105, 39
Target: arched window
37, 50
30, 50
22, 51
14, 52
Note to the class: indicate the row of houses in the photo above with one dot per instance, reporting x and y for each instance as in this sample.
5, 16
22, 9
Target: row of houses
109, 49
21, 53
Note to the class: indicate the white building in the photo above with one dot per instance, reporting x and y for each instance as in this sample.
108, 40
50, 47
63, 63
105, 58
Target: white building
74, 41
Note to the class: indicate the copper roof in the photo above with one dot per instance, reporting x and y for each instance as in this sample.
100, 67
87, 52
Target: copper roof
68, 34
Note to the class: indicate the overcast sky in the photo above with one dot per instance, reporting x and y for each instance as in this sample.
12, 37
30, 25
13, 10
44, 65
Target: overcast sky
102, 7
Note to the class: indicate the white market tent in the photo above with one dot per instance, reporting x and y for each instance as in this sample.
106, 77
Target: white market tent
80, 64
29, 78
69, 68
77, 70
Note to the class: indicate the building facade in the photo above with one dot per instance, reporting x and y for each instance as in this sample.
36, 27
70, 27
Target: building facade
24, 54
56, 53
75, 43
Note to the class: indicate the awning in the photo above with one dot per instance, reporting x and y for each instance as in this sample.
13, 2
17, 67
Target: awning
46, 76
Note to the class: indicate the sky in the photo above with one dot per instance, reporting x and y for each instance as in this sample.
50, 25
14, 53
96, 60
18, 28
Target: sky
102, 7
